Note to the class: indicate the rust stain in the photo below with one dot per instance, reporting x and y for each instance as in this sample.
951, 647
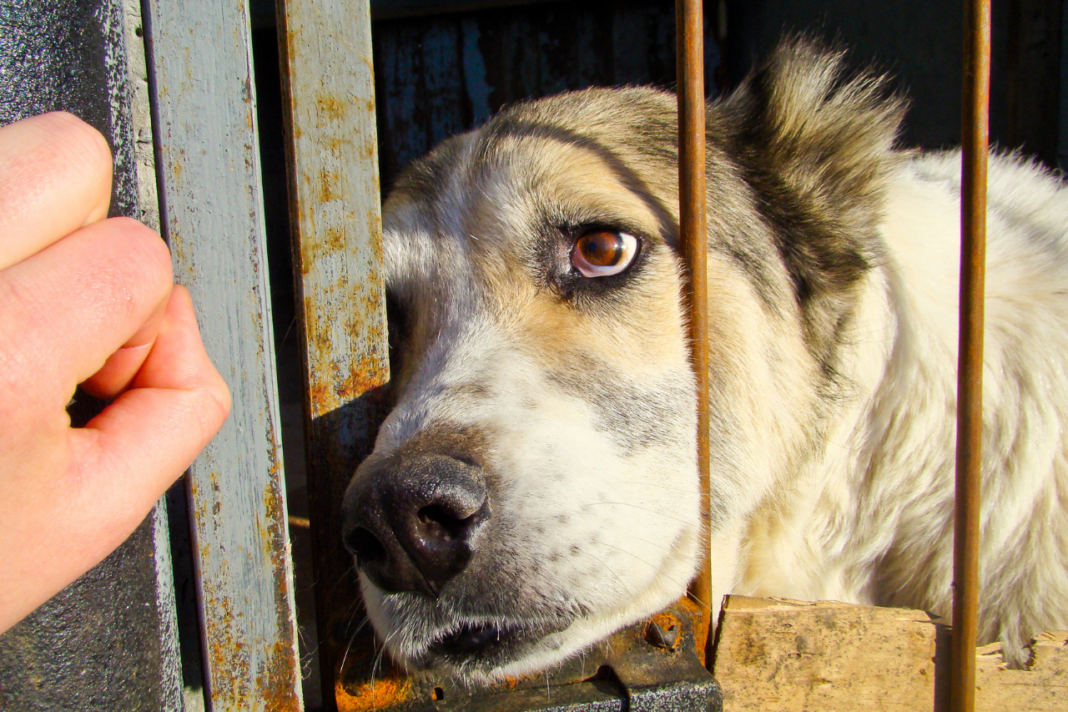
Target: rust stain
226, 653
277, 682
363, 376
328, 186
216, 495
322, 399
669, 623
522, 681
335, 239
329, 108
278, 691
375, 695
700, 623
335, 144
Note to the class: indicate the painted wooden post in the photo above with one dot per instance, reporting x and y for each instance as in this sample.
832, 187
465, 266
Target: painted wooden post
328, 95
208, 167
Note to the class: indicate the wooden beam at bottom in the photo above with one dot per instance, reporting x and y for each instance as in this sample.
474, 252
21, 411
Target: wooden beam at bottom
1042, 686
791, 655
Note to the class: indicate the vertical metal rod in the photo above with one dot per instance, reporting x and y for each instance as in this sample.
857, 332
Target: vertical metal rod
689, 28
974, 139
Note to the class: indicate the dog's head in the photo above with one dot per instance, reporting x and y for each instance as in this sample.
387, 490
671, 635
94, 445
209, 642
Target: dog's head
534, 488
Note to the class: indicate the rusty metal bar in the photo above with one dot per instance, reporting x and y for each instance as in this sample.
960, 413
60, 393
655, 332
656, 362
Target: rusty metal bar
335, 212
209, 175
974, 140
689, 29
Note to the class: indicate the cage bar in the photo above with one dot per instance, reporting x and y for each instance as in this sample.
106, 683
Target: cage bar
693, 244
974, 146
335, 214
212, 208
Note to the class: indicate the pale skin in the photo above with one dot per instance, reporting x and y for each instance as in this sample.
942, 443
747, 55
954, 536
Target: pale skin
92, 301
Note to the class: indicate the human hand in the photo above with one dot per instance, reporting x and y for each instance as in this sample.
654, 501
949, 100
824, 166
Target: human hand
89, 300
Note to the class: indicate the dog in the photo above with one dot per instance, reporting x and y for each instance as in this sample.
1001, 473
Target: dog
535, 489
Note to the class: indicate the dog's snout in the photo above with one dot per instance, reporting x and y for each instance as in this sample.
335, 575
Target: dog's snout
413, 523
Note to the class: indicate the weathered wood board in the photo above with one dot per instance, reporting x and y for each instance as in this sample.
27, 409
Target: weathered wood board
782, 655
209, 174
774, 654
440, 74
1042, 686
88, 58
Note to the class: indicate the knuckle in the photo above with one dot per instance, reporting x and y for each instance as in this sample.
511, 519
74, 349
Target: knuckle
144, 251
75, 139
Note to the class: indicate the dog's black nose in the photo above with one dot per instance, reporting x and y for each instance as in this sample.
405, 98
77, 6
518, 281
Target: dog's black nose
413, 523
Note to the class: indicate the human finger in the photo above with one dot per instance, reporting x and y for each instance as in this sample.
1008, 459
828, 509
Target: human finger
67, 309
178, 359
122, 366
148, 436
55, 176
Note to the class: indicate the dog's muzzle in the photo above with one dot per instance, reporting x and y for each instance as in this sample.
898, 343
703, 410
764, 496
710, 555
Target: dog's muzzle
414, 522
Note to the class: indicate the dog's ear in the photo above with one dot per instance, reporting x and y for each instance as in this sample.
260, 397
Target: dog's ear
815, 144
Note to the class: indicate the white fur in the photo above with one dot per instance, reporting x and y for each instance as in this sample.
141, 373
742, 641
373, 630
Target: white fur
870, 521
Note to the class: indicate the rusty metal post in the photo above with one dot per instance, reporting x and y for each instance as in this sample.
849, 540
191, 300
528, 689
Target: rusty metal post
689, 29
335, 212
975, 130
207, 160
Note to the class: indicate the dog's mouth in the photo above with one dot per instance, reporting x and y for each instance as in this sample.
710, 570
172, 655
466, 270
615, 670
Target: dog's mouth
425, 633
478, 640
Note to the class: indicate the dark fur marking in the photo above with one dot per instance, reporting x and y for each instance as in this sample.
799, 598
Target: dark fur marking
475, 391
817, 162
507, 125
635, 415
465, 443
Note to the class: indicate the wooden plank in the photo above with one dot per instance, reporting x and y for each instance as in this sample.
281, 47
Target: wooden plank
790, 655
1042, 686
329, 101
208, 167
138, 160
1034, 62
776, 654
382, 9
442, 74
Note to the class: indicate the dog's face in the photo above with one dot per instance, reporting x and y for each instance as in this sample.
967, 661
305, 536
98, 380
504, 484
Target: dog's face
534, 487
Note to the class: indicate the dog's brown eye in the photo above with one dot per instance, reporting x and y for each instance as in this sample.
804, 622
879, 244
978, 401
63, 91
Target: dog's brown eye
601, 253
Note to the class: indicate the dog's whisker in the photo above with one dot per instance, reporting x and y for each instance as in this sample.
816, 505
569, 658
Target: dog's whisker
638, 506
654, 567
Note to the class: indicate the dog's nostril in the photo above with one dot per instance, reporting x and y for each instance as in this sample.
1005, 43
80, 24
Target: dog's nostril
439, 522
365, 546
414, 522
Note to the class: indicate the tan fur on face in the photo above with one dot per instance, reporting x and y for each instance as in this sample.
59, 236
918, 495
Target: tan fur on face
570, 178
